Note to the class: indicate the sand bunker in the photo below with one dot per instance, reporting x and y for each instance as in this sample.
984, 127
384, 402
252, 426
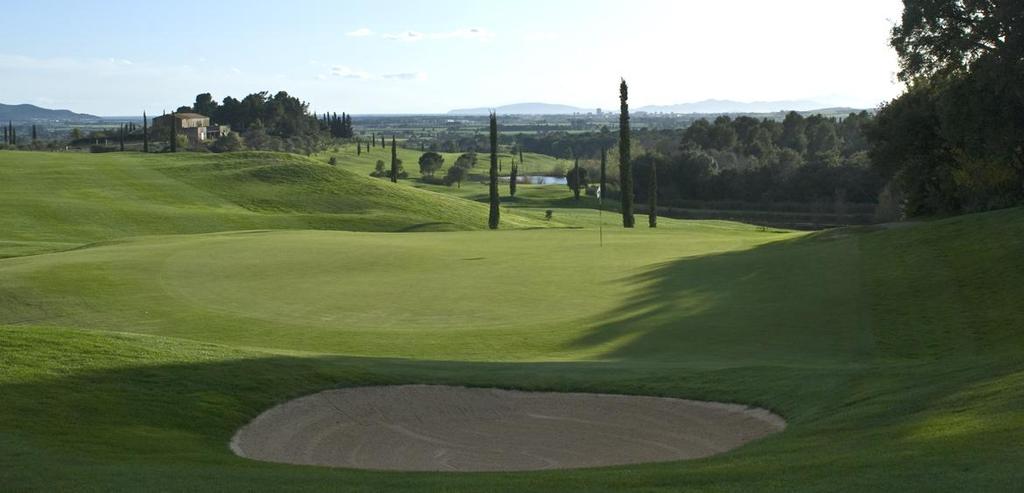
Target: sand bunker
439, 428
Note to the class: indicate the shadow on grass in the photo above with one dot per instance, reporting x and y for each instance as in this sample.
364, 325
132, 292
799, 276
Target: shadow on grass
94, 410
787, 302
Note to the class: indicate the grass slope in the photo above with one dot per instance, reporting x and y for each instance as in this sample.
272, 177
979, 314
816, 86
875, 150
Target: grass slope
893, 353
55, 201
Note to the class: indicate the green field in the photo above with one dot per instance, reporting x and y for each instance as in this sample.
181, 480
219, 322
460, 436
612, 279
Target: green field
151, 305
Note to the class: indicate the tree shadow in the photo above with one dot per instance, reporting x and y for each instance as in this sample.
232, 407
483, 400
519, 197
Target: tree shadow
790, 301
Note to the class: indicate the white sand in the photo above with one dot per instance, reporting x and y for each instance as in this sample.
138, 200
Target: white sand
440, 428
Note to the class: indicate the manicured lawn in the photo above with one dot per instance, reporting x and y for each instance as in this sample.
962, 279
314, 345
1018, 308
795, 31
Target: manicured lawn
894, 354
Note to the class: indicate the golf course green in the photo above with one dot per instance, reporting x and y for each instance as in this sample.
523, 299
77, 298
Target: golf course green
151, 305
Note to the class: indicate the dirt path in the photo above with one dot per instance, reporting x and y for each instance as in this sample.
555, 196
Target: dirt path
440, 428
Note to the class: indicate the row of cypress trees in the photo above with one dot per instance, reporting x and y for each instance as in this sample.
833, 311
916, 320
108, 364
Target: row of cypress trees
625, 169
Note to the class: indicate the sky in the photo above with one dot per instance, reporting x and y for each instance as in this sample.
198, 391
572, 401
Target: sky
120, 58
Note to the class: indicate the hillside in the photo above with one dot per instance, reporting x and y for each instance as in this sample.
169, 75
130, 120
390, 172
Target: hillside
28, 112
891, 352
59, 201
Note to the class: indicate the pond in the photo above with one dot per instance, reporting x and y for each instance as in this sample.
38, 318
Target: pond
539, 180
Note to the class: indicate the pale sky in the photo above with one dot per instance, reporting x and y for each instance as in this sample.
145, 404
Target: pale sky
119, 58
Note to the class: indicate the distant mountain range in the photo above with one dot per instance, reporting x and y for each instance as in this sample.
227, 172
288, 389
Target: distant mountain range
29, 112
523, 109
706, 106
725, 106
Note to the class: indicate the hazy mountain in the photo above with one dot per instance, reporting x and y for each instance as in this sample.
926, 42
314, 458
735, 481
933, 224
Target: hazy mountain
28, 112
524, 109
725, 106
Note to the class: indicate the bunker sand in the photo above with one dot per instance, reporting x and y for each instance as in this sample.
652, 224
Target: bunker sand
442, 428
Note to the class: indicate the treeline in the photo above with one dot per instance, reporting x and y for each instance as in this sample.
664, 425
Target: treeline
813, 159
954, 141
279, 122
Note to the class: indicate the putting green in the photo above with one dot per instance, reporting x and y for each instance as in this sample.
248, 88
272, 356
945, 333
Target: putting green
185, 295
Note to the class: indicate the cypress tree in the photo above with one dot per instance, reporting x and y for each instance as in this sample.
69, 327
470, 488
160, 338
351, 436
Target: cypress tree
359, 148
120, 138
652, 196
145, 133
384, 144
14, 136
513, 175
495, 214
373, 140
576, 179
173, 135
34, 135
625, 169
394, 160
604, 163
6, 141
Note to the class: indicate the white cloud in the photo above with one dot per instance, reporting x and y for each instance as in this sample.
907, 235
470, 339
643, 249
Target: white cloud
348, 73
476, 33
406, 76
406, 36
360, 33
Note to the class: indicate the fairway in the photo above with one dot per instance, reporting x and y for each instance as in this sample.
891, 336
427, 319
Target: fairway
150, 307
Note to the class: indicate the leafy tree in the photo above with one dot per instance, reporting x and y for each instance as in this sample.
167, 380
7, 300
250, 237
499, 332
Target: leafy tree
495, 202
227, 143
76, 133
455, 174
205, 105
380, 170
466, 160
625, 171
576, 179
430, 162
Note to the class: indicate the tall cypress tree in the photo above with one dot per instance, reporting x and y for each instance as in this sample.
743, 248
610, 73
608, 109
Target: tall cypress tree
359, 148
34, 135
576, 179
120, 138
625, 166
173, 134
6, 141
604, 164
513, 175
373, 140
495, 214
652, 195
145, 133
394, 160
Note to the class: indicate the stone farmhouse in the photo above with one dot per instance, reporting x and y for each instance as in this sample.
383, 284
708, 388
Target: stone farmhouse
192, 125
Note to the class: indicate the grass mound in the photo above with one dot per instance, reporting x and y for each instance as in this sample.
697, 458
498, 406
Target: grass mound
55, 200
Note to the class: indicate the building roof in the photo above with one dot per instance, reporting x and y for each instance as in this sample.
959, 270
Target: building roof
189, 116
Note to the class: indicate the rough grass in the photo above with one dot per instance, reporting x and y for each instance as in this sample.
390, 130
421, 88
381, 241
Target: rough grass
894, 354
